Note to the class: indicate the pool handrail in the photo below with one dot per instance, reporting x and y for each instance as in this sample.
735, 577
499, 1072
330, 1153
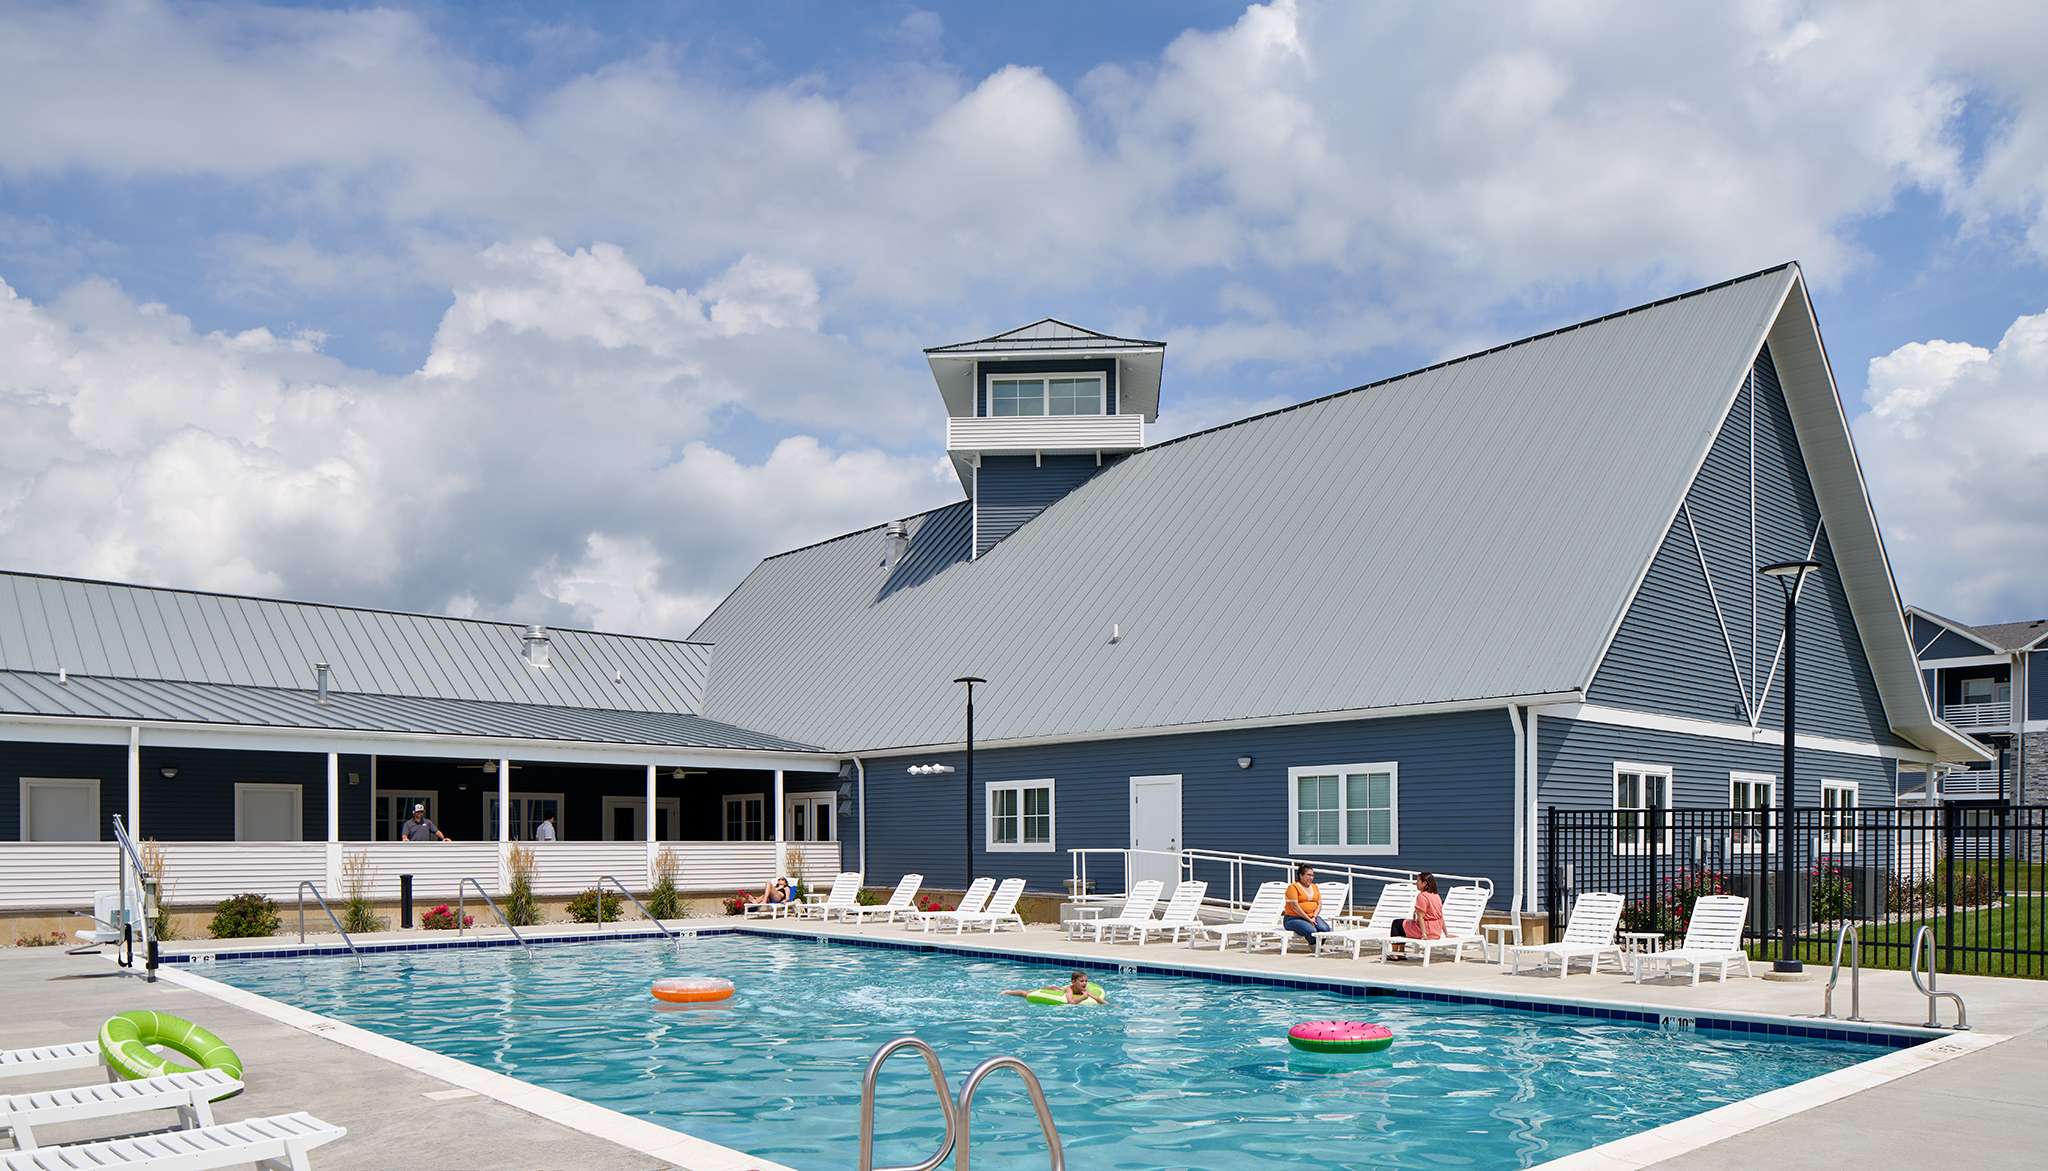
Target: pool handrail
1827, 1000
604, 878
867, 1105
967, 1088
130, 855
1934, 1022
303, 888
1233, 897
460, 928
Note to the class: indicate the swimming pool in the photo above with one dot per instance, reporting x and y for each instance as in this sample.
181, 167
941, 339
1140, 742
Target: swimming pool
1181, 1072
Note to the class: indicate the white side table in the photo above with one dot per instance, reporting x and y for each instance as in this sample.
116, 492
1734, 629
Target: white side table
1075, 914
1638, 944
1497, 939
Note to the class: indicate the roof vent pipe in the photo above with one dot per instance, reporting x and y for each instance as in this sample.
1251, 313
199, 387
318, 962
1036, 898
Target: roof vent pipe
536, 646
898, 535
320, 684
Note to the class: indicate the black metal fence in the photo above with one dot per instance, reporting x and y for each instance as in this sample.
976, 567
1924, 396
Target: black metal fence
1975, 875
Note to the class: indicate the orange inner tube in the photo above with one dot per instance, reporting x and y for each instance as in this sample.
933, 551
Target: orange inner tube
692, 989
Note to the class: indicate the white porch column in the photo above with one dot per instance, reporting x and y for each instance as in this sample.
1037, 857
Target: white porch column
504, 801
775, 811
650, 825
1530, 852
333, 822
135, 782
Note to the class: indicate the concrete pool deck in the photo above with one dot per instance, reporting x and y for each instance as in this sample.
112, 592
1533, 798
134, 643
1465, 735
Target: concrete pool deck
1983, 1094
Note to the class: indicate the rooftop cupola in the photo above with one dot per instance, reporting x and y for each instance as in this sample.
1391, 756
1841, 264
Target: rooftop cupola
1034, 412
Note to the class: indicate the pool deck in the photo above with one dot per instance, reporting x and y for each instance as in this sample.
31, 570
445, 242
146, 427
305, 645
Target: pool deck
1983, 1094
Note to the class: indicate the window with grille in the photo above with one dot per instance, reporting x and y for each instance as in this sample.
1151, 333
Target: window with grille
1642, 800
1344, 809
1020, 816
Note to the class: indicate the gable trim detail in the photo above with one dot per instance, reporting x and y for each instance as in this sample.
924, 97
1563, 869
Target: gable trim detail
1687, 726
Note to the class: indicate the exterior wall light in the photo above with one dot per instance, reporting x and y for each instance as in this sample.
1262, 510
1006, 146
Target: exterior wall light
929, 770
168, 772
1244, 762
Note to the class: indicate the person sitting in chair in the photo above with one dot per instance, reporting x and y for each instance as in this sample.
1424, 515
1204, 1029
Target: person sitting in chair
774, 894
1304, 904
1428, 922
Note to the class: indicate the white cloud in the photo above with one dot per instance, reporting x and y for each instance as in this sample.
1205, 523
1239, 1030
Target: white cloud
1955, 447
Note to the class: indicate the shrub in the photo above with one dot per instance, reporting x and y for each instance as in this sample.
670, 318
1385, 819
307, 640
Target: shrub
520, 909
1831, 894
665, 901
867, 898
244, 917
357, 915
161, 925
738, 903
1670, 909
443, 919
932, 904
594, 906
51, 940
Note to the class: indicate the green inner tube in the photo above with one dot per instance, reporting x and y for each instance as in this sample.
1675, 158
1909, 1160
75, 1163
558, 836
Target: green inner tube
126, 1038
1058, 995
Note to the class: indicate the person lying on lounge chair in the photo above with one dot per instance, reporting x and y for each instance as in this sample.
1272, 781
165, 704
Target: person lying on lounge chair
774, 893
1075, 991
1428, 922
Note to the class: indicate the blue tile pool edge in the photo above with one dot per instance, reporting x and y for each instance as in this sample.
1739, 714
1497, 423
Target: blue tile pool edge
1891, 1037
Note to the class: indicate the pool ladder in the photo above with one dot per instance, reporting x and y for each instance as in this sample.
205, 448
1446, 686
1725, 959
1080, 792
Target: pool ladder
1962, 1015
956, 1114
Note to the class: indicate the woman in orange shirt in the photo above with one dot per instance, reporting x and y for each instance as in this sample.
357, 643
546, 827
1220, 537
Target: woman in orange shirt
1304, 902
1428, 922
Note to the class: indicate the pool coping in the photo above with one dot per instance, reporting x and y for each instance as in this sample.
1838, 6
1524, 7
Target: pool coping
1911, 1049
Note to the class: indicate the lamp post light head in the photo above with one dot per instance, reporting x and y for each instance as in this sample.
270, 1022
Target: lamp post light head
970, 679
1788, 573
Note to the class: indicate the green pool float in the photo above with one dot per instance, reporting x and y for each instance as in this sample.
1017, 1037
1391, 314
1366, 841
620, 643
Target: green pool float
126, 1038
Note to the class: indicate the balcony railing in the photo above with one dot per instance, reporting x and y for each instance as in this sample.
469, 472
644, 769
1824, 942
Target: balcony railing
1978, 715
1050, 434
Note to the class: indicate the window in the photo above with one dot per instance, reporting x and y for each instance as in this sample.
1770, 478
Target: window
60, 810
1987, 691
528, 811
1020, 816
1046, 394
1642, 794
1345, 809
743, 817
1749, 794
1837, 825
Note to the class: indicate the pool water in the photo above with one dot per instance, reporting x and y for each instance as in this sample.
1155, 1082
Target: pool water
1179, 1072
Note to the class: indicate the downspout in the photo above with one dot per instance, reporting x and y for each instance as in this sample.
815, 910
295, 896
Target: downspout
1529, 821
860, 795
1520, 843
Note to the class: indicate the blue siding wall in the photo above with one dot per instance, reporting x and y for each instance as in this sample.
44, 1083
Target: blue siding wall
1951, 645
198, 805
1456, 797
1575, 763
1686, 649
1011, 489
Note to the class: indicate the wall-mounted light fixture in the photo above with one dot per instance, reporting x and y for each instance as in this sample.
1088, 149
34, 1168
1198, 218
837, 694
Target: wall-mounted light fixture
1244, 762
929, 770
168, 772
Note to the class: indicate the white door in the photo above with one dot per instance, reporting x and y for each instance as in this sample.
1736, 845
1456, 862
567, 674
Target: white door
625, 819
60, 811
1155, 826
807, 817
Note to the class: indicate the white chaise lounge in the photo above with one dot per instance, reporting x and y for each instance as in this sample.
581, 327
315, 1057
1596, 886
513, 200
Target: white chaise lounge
1138, 908
1712, 936
903, 902
1588, 935
52, 1059
1179, 918
973, 899
844, 897
1001, 909
1397, 901
276, 1143
188, 1093
1464, 907
1261, 920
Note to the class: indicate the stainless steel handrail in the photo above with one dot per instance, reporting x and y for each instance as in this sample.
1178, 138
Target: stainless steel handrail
867, 1105
604, 878
1827, 1000
303, 888
1052, 1134
460, 929
1962, 1014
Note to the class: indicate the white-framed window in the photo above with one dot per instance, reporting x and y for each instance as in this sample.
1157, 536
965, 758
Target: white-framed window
60, 809
394, 809
1642, 800
1020, 816
1344, 809
1011, 395
269, 813
807, 817
745, 817
1837, 826
1750, 796
528, 811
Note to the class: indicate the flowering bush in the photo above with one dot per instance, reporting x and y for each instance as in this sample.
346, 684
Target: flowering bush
56, 937
443, 919
738, 902
932, 904
1830, 891
1670, 909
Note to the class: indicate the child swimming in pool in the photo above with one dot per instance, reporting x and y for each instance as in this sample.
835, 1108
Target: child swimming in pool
1076, 991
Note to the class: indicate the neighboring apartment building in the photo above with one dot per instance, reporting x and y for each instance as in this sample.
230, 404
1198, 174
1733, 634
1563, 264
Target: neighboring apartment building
1992, 682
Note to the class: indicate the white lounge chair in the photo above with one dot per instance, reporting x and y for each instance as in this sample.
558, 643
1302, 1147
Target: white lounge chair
900, 902
771, 910
53, 1059
1712, 936
1138, 908
274, 1143
843, 897
973, 899
188, 1093
1397, 901
1464, 907
1588, 935
1179, 917
1261, 920
1001, 909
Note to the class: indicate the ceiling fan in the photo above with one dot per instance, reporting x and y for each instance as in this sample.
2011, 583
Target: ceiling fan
490, 766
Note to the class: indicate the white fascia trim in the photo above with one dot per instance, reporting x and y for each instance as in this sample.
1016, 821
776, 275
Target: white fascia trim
1970, 661
168, 734
1714, 729
1332, 717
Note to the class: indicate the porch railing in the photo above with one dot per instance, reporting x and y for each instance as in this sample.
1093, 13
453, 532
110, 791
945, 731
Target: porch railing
1978, 715
1234, 878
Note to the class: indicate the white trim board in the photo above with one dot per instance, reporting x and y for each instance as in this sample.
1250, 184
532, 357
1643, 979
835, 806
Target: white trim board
1687, 726
1966, 661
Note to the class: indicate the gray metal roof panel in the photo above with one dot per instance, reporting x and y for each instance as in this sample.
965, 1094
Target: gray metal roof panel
23, 693
102, 629
1322, 558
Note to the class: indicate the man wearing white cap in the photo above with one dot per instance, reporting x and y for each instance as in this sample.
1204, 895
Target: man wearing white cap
419, 829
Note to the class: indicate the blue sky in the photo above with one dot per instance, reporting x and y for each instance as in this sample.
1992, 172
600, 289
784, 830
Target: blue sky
572, 312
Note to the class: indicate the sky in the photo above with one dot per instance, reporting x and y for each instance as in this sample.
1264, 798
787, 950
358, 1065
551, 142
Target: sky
570, 313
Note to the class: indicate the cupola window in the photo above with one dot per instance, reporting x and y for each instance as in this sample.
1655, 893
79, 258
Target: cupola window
1053, 394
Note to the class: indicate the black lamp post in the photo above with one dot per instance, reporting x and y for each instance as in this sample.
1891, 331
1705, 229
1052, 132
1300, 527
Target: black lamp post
1789, 574
967, 812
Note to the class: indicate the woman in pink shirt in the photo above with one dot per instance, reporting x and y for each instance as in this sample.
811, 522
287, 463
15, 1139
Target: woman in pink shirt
1428, 922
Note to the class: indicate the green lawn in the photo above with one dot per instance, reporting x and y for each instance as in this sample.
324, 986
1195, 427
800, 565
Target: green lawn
2012, 876
2019, 923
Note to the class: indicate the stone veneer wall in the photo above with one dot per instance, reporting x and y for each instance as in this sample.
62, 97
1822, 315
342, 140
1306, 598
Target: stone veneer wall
2034, 769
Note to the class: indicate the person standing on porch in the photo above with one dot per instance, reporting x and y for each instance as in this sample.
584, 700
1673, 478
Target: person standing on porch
545, 832
419, 829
